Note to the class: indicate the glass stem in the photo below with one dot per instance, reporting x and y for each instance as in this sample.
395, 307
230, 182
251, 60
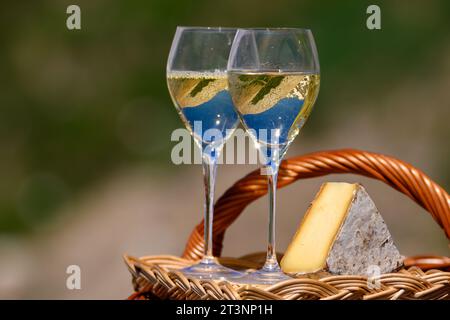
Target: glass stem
271, 263
209, 178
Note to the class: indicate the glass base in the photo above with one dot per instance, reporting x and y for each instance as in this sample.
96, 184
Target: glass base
265, 276
210, 269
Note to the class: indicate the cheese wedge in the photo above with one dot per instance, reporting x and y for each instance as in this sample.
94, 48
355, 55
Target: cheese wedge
343, 233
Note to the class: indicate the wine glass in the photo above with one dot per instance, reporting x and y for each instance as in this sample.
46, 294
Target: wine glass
273, 78
197, 82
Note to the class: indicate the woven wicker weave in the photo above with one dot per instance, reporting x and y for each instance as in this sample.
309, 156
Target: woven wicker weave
152, 279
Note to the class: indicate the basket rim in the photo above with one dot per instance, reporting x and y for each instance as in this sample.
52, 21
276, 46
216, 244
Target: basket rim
157, 276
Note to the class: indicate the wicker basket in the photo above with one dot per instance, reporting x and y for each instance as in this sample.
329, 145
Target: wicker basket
424, 277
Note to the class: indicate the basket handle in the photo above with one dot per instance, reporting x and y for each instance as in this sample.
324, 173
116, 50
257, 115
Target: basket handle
396, 173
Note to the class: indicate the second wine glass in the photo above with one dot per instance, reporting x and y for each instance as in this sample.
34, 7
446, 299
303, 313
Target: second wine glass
273, 77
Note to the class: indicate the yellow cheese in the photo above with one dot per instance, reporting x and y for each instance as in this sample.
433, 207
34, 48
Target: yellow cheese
309, 249
341, 232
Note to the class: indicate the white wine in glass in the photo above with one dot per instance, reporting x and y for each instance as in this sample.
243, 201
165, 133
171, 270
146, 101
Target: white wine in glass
274, 105
203, 97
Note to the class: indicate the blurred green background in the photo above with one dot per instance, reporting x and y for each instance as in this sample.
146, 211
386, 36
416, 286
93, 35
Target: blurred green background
84, 110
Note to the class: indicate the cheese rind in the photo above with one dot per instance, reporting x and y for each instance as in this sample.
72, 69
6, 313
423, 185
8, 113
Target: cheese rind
343, 233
